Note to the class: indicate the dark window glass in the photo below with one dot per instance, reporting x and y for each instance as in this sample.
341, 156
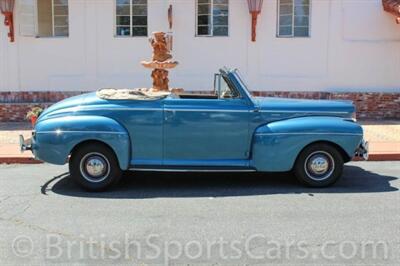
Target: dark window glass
123, 31
131, 18
294, 18
212, 17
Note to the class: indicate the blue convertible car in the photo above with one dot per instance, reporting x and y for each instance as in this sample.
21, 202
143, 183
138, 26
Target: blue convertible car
227, 130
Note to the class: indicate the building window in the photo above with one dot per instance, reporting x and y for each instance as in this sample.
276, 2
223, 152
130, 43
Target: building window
131, 18
212, 17
294, 18
52, 18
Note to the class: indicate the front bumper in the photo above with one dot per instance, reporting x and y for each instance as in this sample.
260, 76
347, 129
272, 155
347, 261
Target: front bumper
363, 150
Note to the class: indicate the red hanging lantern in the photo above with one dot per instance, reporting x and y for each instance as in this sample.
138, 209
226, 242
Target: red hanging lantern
7, 8
392, 6
255, 7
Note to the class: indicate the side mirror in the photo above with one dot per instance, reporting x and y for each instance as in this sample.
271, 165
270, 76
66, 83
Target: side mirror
217, 84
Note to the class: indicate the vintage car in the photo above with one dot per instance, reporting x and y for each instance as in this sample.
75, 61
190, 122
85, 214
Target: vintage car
226, 130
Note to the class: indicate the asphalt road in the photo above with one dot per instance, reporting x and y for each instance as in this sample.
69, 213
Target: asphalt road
176, 218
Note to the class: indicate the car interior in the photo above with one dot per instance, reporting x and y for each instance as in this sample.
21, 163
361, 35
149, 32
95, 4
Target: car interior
222, 90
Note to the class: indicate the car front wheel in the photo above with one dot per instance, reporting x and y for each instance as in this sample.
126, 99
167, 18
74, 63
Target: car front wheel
319, 165
95, 167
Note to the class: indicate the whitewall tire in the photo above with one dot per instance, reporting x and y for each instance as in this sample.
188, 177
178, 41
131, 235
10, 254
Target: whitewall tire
319, 165
95, 167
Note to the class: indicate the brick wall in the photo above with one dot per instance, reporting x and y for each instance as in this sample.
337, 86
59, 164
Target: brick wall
36, 96
15, 105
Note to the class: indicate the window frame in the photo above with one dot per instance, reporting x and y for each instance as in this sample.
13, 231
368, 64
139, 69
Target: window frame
130, 21
53, 18
36, 26
293, 8
212, 21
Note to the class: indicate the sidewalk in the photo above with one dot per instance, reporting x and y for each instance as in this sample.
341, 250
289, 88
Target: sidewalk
383, 137
384, 140
9, 143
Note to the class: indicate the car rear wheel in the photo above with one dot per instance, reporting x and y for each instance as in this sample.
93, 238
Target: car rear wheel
95, 167
319, 165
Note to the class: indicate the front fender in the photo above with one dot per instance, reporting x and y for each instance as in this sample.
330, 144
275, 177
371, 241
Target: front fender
276, 145
55, 138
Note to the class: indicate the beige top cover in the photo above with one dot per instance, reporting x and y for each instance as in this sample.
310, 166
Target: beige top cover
132, 94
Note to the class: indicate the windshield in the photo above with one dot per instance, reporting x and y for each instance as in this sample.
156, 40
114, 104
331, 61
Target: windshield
239, 78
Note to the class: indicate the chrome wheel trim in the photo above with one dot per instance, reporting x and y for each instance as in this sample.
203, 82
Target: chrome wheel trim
319, 165
95, 167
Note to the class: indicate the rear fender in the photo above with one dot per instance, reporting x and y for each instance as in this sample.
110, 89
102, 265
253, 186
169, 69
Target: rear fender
55, 138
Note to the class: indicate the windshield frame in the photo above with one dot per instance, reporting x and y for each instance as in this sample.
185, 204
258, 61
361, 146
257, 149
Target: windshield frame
236, 80
242, 83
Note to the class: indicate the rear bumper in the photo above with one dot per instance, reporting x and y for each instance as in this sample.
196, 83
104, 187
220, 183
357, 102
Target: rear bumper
363, 150
44, 152
25, 145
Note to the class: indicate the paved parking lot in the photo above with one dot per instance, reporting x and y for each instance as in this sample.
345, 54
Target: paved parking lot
176, 218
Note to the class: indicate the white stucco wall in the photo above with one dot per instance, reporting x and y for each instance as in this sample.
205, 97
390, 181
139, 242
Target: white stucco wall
354, 46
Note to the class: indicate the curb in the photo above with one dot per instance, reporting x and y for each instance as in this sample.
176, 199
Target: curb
384, 157
19, 160
372, 158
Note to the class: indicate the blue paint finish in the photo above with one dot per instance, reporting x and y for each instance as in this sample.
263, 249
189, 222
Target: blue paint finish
205, 129
283, 106
210, 162
246, 132
63, 107
55, 138
277, 144
142, 119
312, 124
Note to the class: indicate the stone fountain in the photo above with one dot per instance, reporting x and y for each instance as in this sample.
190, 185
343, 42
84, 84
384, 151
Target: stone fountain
161, 61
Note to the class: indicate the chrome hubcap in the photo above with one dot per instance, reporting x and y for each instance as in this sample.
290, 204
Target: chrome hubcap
319, 165
94, 167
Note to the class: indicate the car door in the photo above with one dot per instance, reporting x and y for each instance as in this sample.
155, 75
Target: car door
206, 132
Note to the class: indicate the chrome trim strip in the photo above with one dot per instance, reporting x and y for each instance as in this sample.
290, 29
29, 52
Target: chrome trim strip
160, 109
192, 170
118, 109
80, 132
84, 108
206, 110
302, 112
308, 133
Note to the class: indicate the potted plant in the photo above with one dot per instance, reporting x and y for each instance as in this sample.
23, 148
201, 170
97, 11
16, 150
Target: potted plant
33, 114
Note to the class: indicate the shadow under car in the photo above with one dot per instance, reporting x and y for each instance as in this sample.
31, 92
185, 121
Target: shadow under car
141, 185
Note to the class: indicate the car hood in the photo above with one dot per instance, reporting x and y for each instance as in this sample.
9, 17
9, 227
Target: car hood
302, 106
